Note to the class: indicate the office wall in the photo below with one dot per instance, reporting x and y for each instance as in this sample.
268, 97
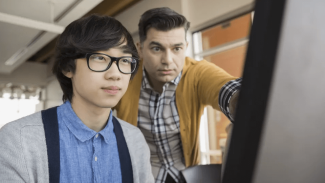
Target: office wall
130, 17
53, 94
27, 74
198, 12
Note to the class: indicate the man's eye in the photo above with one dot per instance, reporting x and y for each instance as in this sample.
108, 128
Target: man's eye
156, 49
177, 48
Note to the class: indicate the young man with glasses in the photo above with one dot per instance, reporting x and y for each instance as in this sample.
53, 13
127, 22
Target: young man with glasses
167, 97
80, 141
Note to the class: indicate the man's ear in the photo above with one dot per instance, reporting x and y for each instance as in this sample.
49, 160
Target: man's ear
139, 49
68, 74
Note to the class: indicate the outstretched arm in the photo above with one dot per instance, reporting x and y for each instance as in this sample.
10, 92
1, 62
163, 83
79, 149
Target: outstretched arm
233, 104
228, 98
217, 88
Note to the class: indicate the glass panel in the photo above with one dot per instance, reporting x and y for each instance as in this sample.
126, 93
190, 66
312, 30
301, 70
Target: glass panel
231, 60
217, 123
226, 32
12, 109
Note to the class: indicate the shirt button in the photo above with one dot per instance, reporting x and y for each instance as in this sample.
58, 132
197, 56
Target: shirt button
96, 135
95, 158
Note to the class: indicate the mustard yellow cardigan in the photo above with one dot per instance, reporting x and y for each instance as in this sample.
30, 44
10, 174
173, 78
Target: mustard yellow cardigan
199, 86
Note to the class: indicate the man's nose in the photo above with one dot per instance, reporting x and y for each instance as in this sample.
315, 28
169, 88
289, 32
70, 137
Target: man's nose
168, 57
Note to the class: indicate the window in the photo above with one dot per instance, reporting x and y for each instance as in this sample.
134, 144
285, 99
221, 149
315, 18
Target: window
225, 45
15, 104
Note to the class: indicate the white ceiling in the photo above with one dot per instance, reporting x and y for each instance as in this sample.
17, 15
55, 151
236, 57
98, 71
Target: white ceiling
22, 20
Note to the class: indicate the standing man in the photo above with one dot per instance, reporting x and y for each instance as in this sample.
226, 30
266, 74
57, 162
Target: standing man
167, 97
81, 141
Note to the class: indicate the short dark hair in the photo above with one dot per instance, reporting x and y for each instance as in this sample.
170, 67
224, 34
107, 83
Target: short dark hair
163, 19
87, 35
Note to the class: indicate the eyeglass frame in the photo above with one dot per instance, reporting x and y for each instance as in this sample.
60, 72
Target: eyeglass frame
113, 59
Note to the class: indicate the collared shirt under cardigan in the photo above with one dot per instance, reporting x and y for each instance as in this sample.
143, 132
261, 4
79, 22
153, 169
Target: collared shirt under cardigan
195, 91
85, 155
30, 150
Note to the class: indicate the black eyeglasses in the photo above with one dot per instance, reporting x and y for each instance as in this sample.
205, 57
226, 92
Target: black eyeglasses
99, 62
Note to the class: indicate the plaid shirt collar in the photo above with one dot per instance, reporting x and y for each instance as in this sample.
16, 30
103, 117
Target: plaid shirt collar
146, 85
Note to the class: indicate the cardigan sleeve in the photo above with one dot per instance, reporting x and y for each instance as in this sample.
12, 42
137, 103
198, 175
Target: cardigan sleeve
210, 79
12, 164
139, 153
143, 160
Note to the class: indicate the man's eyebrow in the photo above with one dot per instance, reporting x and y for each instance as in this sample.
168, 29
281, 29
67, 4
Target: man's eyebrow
158, 44
178, 44
155, 43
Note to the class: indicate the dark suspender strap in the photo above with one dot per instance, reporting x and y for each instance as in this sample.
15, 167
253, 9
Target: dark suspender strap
125, 159
51, 128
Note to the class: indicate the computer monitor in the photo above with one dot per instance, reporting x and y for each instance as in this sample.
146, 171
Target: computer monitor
279, 128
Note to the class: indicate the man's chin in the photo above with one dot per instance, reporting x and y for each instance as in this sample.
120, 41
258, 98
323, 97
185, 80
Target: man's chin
167, 79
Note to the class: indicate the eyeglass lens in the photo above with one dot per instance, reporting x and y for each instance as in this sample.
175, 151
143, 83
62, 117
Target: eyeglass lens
99, 62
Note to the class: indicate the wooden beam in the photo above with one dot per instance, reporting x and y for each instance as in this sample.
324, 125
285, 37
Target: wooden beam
112, 7
46, 51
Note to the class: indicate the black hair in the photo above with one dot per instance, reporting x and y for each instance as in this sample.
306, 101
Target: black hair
87, 35
163, 19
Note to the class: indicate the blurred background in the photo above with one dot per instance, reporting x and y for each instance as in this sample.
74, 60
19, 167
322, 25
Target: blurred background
29, 29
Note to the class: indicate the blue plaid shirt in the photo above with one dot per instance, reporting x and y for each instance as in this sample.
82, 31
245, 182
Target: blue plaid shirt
85, 155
